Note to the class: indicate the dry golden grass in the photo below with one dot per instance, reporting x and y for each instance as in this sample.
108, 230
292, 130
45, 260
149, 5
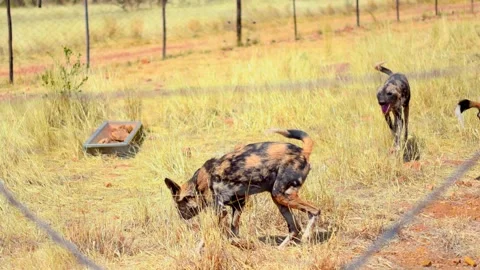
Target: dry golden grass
119, 212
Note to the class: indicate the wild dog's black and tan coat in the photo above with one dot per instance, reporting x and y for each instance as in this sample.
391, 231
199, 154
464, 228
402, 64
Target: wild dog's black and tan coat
279, 168
394, 96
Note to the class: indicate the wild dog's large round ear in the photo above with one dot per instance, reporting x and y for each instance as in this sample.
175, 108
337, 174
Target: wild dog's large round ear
174, 187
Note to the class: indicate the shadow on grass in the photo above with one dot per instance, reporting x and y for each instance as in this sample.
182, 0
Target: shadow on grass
318, 237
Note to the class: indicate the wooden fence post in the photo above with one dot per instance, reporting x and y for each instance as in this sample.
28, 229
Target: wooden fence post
10, 41
436, 7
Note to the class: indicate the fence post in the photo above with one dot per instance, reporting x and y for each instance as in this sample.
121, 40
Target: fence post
358, 14
87, 34
436, 7
239, 22
398, 10
10, 41
295, 19
164, 22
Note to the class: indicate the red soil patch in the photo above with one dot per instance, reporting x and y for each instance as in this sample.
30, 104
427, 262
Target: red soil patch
411, 255
468, 207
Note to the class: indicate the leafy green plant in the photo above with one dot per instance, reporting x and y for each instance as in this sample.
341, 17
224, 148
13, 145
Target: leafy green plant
63, 103
66, 79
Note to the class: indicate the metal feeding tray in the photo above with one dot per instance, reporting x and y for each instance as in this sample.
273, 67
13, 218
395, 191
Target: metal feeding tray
127, 148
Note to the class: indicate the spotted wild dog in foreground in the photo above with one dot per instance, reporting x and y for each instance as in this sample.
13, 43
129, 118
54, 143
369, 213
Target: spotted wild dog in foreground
394, 96
464, 105
276, 167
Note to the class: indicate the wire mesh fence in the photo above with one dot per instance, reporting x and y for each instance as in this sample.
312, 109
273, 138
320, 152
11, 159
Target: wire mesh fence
122, 24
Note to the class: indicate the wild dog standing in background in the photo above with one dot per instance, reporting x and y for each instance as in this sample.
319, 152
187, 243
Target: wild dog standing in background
464, 105
394, 96
279, 168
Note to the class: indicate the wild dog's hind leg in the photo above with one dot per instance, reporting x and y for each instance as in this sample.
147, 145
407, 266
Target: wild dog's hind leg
292, 223
285, 193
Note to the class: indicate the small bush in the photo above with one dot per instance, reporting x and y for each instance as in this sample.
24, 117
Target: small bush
66, 112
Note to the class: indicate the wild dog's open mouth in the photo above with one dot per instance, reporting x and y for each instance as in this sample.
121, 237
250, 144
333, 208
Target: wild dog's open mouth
385, 108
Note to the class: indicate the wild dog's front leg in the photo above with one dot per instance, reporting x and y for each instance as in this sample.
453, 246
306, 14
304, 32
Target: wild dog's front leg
398, 123
237, 208
406, 110
221, 212
388, 119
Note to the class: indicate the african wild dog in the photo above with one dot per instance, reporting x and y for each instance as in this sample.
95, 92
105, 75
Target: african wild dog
393, 96
464, 105
276, 167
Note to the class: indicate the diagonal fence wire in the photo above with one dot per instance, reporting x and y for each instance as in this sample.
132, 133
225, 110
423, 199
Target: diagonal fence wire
56, 237
410, 215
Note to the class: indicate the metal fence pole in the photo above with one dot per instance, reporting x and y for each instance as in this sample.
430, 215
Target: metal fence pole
164, 26
10, 41
295, 19
87, 33
239, 22
398, 10
358, 14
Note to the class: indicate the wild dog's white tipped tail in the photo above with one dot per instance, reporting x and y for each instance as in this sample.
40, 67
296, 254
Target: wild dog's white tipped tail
459, 115
379, 64
270, 130
273, 130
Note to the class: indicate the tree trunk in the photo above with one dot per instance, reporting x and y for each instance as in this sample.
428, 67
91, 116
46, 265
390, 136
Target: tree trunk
358, 14
164, 25
436, 7
295, 19
10, 41
239, 22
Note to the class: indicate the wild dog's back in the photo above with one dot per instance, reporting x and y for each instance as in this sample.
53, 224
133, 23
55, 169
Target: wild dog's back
255, 166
